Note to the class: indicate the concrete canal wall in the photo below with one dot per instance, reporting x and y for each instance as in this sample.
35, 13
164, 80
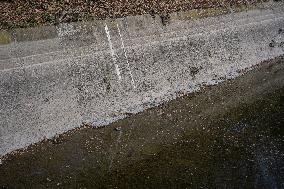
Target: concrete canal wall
53, 79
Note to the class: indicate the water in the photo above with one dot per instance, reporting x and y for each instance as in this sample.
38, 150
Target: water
243, 149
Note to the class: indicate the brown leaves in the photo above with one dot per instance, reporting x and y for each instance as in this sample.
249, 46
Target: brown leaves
23, 13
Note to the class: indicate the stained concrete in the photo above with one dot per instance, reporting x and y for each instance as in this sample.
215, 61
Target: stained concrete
52, 85
225, 136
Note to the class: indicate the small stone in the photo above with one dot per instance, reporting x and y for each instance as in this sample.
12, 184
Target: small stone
117, 129
272, 44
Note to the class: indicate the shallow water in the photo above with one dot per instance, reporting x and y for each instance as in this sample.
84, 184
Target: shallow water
243, 149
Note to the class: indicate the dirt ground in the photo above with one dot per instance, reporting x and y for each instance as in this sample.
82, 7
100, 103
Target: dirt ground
26, 13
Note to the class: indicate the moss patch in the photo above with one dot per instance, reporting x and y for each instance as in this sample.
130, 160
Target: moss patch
5, 38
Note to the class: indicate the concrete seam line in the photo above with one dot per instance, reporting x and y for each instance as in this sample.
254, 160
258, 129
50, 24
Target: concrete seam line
126, 57
113, 55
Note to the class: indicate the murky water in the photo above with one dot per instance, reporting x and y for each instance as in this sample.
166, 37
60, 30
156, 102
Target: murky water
243, 149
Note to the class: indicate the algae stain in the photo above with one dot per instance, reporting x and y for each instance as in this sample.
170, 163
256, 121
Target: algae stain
5, 38
211, 12
201, 13
150, 150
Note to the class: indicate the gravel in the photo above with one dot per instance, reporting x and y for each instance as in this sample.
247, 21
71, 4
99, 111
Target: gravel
27, 13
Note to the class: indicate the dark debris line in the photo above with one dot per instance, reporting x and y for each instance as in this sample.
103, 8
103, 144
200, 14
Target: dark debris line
26, 13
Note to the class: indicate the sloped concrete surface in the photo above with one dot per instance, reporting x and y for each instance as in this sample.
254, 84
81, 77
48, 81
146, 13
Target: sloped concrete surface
225, 136
103, 71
